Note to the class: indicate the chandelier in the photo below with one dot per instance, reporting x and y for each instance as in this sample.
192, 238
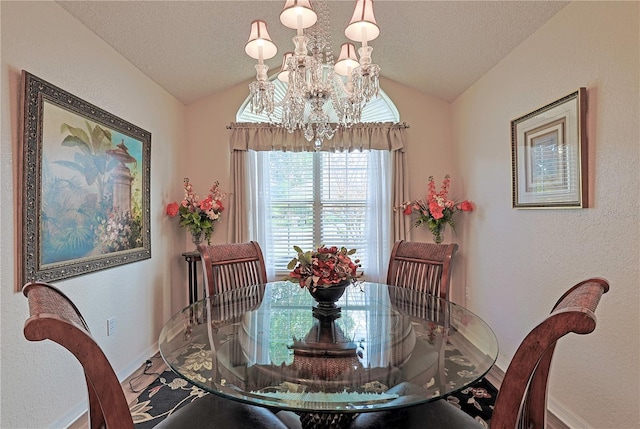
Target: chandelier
315, 83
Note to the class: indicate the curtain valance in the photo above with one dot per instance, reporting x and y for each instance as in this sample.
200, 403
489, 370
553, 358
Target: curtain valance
265, 137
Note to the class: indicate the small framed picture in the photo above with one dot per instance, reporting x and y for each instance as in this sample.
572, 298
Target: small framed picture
549, 155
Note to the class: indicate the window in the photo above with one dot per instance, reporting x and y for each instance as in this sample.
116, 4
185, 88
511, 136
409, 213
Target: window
312, 198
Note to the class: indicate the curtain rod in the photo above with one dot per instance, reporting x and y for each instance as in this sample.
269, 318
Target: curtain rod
237, 125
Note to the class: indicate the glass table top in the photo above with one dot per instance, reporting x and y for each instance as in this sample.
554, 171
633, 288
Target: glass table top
379, 347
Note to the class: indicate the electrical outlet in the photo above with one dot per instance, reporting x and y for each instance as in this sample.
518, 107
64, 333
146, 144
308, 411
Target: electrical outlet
111, 326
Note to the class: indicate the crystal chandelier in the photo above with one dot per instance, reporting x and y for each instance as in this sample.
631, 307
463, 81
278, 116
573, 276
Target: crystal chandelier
315, 83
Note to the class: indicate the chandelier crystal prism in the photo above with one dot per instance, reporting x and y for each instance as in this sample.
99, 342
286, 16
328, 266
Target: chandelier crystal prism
315, 82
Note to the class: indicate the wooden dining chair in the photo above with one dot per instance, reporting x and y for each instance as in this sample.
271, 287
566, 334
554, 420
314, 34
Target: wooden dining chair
522, 398
421, 266
55, 317
229, 266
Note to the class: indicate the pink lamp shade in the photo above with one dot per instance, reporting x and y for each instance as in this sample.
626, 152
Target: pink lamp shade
347, 60
298, 14
259, 45
363, 26
283, 75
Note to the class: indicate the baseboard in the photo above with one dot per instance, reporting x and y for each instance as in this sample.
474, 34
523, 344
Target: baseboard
568, 420
78, 413
561, 418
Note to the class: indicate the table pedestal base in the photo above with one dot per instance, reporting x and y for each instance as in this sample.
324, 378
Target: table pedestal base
326, 420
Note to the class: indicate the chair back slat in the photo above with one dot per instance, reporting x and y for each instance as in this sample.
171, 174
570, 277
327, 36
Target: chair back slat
230, 266
424, 267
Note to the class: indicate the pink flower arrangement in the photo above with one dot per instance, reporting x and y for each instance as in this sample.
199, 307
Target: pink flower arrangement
437, 209
323, 267
198, 216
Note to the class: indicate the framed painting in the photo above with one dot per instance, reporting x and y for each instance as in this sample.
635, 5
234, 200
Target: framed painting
84, 193
549, 155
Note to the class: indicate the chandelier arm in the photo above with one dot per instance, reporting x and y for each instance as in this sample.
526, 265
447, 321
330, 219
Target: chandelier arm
338, 82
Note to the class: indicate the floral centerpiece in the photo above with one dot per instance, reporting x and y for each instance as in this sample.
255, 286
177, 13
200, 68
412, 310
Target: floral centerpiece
437, 210
323, 267
198, 216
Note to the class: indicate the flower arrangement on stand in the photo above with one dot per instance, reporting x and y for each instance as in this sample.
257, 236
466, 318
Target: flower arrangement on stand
323, 267
198, 216
437, 210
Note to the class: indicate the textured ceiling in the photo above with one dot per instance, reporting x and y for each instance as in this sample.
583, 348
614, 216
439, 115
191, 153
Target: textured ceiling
196, 48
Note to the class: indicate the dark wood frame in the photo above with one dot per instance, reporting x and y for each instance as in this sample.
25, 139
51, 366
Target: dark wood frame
567, 118
35, 93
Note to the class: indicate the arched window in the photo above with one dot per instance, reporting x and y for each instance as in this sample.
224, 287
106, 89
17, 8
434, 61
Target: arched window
380, 109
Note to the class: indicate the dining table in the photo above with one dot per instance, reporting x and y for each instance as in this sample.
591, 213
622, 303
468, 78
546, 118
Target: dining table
369, 347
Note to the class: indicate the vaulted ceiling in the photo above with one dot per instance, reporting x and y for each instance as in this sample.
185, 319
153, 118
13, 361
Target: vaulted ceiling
196, 48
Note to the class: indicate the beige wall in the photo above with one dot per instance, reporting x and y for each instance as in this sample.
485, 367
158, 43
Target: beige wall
42, 386
520, 261
594, 378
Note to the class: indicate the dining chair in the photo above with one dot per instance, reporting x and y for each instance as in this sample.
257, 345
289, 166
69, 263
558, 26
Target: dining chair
55, 317
421, 266
522, 398
229, 266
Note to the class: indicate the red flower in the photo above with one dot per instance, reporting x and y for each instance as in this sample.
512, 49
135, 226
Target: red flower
172, 209
436, 210
466, 206
206, 204
324, 266
408, 210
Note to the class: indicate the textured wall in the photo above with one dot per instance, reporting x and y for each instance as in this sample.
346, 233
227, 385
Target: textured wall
520, 261
42, 386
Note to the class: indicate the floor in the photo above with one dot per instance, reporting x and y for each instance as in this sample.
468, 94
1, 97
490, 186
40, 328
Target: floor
132, 386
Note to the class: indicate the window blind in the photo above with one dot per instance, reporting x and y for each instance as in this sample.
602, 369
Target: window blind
316, 198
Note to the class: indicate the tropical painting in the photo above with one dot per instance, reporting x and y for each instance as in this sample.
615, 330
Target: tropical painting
90, 187
91, 190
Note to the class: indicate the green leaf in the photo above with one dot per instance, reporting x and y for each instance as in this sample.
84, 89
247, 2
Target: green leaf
100, 138
73, 141
307, 257
298, 249
292, 264
76, 132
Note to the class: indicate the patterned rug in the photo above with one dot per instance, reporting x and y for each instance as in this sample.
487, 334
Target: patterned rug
170, 392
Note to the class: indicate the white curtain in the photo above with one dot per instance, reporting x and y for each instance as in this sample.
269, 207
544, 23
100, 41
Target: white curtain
259, 227
378, 221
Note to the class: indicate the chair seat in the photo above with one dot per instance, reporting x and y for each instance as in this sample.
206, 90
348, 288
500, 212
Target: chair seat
432, 415
212, 411
290, 419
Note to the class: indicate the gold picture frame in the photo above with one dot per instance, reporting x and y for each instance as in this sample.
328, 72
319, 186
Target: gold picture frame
549, 155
